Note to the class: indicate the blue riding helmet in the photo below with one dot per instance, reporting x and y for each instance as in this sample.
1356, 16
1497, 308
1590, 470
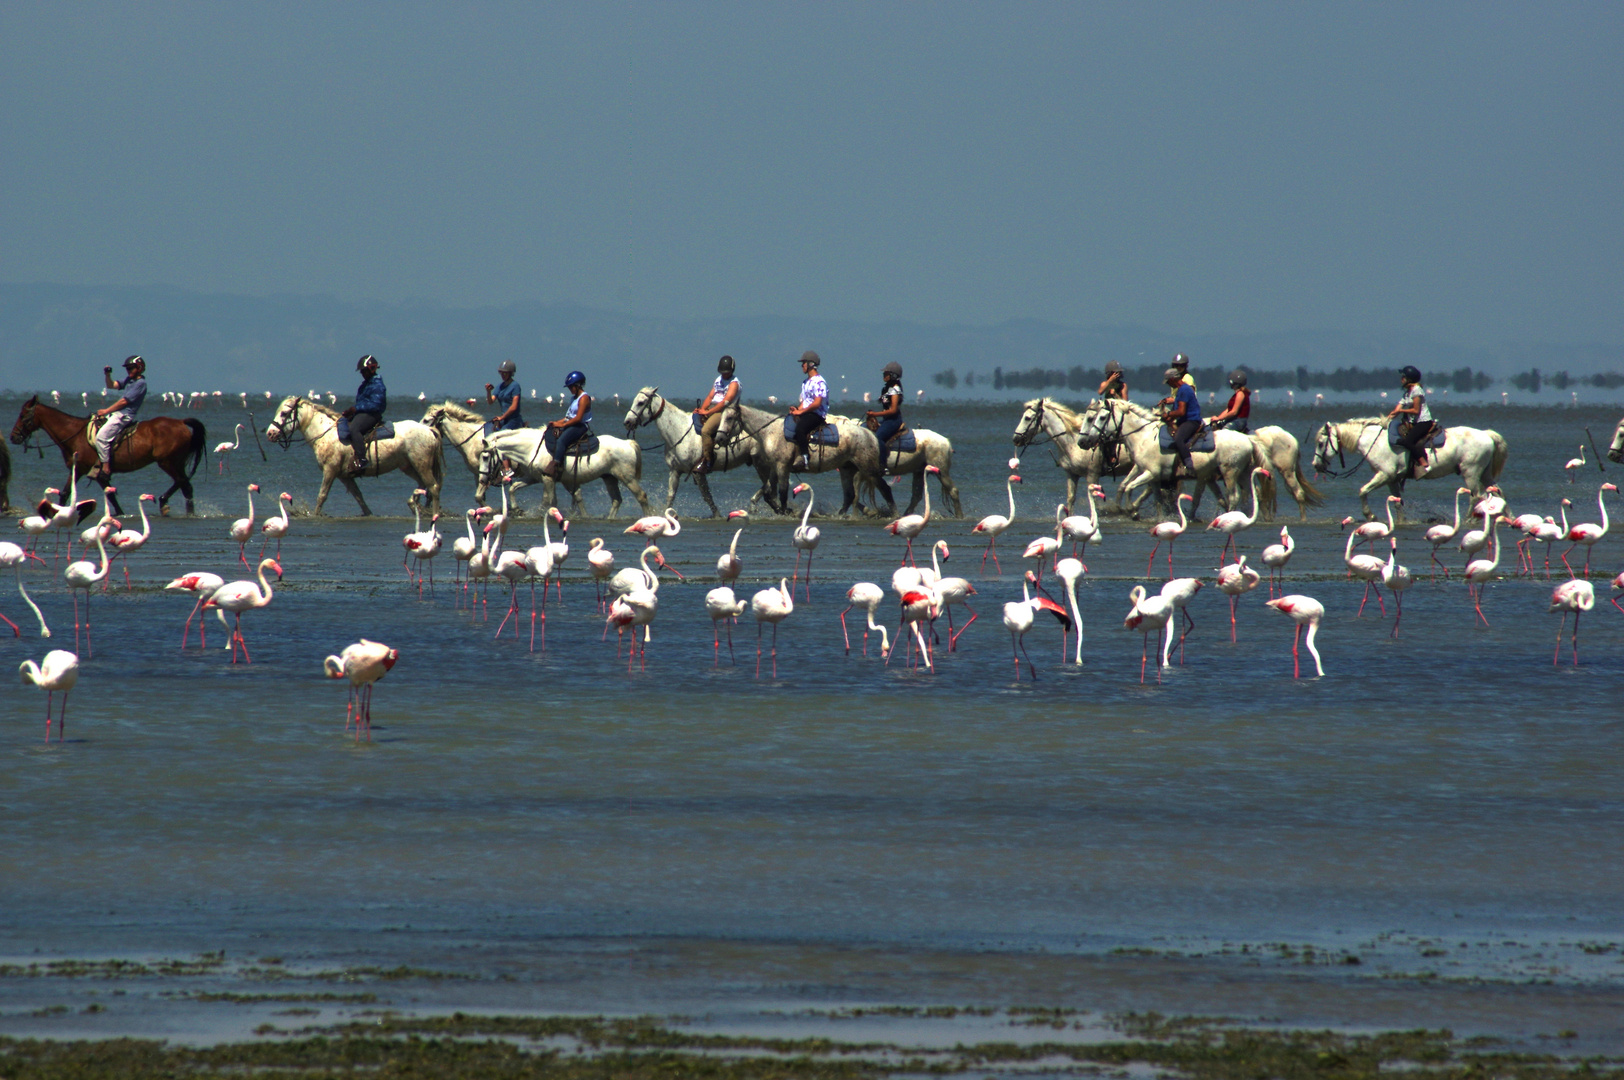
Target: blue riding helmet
574, 378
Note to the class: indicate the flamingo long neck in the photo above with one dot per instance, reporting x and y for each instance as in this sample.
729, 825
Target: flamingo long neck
468, 519
934, 548
44, 631
1493, 525
1009, 485
1093, 511
251, 505
885, 637
927, 501
806, 515
789, 600
1184, 522
653, 578
146, 526
1347, 552
264, 587
1076, 617
1390, 525
1458, 494
1564, 509
733, 548
285, 505
236, 443
1253, 518
673, 526
1285, 538
1602, 503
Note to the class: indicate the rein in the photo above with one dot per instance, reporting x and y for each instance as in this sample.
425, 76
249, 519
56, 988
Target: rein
687, 430
1343, 468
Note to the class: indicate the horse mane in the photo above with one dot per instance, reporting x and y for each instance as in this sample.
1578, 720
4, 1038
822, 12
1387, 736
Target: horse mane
1071, 416
331, 414
1364, 420
460, 412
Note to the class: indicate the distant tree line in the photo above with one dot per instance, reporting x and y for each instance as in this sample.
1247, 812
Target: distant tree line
1080, 380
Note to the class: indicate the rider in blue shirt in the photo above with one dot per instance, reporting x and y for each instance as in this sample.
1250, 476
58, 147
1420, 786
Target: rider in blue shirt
565, 433
507, 396
371, 400
121, 413
1183, 414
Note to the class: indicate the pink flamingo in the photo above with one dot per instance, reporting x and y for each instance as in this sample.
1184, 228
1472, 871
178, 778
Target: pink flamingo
1368, 569
1019, 617
1439, 535
1234, 521
1150, 614
774, 606
1574, 465
1276, 556
59, 671
1577, 596
911, 525
993, 525
240, 596
243, 528
917, 607
728, 565
869, 596
84, 575
128, 540
725, 608
1168, 531
1481, 571
1588, 534
276, 526
363, 664
601, 562
1082, 531
1304, 611
654, 528
202, 586
1234, 580
806, 538
1397, 579
12, 556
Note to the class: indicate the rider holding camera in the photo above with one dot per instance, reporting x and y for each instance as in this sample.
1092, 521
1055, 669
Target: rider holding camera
120, 414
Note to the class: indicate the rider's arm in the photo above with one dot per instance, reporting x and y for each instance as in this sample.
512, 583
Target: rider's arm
891, 409
114, 407
107, 376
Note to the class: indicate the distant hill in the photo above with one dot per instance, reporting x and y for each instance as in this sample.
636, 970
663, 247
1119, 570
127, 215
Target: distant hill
61, 336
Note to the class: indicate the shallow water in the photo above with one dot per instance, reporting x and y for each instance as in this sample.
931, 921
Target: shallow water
1446, 804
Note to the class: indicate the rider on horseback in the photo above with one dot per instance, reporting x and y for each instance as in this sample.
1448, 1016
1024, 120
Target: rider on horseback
1114, 386
565, 433
888, 417
120, 414
1420, 425
371, 399
1183, 415
723, 393
1237, 415
507, 396
813, 410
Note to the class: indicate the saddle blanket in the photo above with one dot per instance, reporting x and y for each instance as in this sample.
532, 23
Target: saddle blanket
904, 443
1203, 443
1434, 443
385, 430
585, 448
827, 435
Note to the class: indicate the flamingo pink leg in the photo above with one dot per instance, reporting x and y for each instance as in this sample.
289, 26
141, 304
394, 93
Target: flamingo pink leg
952, 638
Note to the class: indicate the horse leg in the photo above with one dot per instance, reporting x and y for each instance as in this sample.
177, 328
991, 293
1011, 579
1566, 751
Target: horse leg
917, 492
703, 484
355, 489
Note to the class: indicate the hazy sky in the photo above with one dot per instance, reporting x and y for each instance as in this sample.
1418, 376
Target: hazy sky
1449, 168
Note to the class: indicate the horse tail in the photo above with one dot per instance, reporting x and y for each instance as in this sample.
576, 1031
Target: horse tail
199, 448
637, 459
1313, 495
1498, 462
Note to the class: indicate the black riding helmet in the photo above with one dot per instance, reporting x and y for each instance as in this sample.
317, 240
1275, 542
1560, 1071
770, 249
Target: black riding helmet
724, 366
134, 363
1411, 374
367, 361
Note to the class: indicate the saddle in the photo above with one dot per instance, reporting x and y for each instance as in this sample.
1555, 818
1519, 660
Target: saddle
725, 431
1396, 429
827, 435
94, 425
585, 448
903, 442
385, 430
1203, 443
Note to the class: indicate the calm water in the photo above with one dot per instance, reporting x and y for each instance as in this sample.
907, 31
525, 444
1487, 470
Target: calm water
1445, 803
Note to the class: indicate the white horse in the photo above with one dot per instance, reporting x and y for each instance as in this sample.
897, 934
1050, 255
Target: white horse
856, 453
615, 461
414, 450
930, 448
463, 430
1477, 454
1285, 460
1616, 451
1138, 429
676, 428
1047, 419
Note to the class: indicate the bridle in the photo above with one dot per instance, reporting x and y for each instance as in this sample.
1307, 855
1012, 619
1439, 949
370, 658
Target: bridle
638, 419
1031, 438
285, 433
438, 424
1322, 454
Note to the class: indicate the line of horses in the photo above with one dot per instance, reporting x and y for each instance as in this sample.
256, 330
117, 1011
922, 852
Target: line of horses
1107, 438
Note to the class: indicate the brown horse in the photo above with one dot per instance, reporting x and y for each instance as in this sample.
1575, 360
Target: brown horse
163, 441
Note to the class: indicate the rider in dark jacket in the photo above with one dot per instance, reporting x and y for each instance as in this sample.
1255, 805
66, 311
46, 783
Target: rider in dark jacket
371, 400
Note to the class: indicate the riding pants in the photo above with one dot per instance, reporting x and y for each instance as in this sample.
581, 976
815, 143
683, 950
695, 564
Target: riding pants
1412, 443
360, 425
559, 440
115, 426
887, 431
805, 424
707, 434
1182, 435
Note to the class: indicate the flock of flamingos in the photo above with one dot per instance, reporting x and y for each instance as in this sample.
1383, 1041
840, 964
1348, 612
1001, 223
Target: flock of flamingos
629, 597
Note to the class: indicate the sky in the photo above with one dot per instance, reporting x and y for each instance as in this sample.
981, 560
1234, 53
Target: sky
1448, 168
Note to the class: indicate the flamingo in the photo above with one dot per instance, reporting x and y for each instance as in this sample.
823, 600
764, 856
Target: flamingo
1276, 556
1439, 535
541, 562
202, 586
240, 596
911, 525
1180, 591
632, 577
363, 664
1150, 614
243, 528
414, 539
634, 609
84, 575
223, 450
512, 567
865, 594
481, 564
1045, 547
950, 591
917, 607
58, 671
806, 538
1491, 501
1397, 578
127, 540
276, 526
1166, 530
1233, 521
106, 525
464, 548
728, 566
653, 528
1587, 534
1549, 532
1070, 571
1573, 466
1304, 611
12, 556
601, 561
772, 606
561, 551
35, 525
1366, 568
993, 525
1577, 596
1084, 530
1480, 571
1617, 587
1018, 619
721, 605
425, 546
1234, 580
1371, 531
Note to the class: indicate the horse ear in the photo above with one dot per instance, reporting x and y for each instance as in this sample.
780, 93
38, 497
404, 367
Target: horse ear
655, 390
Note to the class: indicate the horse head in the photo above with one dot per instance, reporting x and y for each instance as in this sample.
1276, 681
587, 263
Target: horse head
1614, 452
1096, 425
1325, 444
1030, 424
642, 410
284, 423
27, 423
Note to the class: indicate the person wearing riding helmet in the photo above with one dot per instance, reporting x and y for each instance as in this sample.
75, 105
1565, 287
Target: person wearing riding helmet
565, 433
507, 396
371, 399
1182, 362
721, 396
1183, 415
889, 415
120, 414
813, 409
1114, 386
1237, 415
1413, 406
